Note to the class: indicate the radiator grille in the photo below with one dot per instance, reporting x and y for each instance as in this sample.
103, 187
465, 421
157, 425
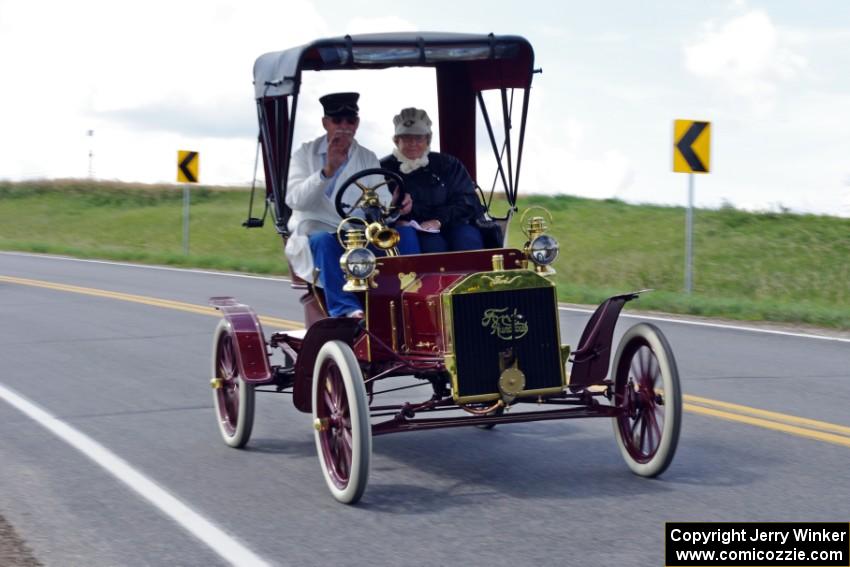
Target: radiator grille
484, 324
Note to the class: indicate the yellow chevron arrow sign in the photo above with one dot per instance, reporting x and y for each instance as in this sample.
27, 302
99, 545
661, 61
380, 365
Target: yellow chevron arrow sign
691, 146
187, 166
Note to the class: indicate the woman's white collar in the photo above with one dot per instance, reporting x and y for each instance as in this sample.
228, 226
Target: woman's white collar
410, 165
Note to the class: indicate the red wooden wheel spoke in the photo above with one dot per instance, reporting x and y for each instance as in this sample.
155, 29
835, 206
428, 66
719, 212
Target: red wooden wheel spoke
223, 355
656, 372
650, 438
345, 443
330, 405
641, 364
339, 459
229, 361
343, 465
650, 362
640, 359
232, 401
337, 388
634, 425
642, 439
655, 424
342, 399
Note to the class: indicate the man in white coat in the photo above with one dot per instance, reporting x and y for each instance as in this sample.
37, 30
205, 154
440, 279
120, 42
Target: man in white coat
316, 171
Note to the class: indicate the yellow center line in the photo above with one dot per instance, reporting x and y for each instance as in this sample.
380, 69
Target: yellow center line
809, 428
758, 422
770, 415
165, 303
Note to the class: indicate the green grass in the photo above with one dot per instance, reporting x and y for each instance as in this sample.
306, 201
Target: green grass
140, 223
770, 267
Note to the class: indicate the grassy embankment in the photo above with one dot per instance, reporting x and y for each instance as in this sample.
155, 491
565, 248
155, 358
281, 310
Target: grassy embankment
775, 267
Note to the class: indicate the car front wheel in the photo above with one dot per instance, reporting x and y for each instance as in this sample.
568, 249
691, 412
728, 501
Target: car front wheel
649, 400
233, 398
341, 421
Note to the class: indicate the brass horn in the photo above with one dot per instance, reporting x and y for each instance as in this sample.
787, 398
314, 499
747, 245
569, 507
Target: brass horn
375, 233
383, 237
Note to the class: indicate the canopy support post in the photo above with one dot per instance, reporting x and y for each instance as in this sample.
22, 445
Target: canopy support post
492, 140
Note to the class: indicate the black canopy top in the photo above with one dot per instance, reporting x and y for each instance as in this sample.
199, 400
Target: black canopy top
279, 73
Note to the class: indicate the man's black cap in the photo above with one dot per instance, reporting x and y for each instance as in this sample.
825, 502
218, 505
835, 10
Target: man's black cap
340, 104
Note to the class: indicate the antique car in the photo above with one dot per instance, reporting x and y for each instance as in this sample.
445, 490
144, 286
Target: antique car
479, 330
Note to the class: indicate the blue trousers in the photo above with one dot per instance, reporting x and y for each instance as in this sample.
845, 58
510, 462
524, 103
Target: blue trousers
451, 239
326, 253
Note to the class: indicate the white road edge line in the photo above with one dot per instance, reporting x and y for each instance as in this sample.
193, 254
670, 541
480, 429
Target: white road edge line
561, 308
210, 534
145, 266
716, 325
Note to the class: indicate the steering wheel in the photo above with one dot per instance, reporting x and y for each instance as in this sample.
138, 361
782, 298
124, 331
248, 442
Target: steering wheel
366, 199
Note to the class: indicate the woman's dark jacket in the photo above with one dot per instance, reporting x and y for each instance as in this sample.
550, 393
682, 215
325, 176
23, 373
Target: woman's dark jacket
442, 190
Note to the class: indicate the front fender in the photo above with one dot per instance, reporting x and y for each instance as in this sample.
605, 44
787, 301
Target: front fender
592, 358
343, 329
251, 355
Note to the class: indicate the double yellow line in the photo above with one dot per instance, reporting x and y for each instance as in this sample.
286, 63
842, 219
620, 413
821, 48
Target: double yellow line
800, 426
166, 303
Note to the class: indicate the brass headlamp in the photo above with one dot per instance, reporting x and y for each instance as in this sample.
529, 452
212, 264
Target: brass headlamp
357, 262
540, 248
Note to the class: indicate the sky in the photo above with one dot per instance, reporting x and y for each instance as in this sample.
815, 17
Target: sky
151, 78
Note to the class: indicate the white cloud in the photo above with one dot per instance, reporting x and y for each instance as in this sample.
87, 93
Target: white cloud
149, 78
748, 56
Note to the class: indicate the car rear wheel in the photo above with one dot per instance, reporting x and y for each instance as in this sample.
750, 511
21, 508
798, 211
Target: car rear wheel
341, 421
647, 393
233, 398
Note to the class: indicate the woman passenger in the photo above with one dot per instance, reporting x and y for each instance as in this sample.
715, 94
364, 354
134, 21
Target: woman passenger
443, 194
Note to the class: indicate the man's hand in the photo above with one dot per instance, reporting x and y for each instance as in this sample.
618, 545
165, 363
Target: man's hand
406, 203
337, 152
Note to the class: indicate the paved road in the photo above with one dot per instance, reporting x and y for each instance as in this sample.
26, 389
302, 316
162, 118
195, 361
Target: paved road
132, 378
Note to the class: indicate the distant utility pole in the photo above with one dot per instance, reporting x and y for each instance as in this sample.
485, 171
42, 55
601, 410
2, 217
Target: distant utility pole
90, 134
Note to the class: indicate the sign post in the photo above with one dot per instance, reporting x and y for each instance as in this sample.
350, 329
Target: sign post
691, 154
187, 172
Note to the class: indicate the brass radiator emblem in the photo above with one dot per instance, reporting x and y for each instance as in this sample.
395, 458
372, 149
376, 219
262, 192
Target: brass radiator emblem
506, 326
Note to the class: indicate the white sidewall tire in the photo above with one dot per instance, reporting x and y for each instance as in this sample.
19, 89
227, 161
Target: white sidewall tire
239, 437
672, 400
361, 429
